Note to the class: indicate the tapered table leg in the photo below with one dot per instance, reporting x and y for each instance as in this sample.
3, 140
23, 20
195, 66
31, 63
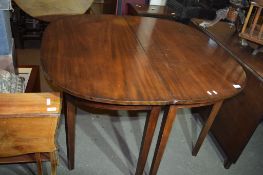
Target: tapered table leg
167, 124
70, 116
206, 127
149, 129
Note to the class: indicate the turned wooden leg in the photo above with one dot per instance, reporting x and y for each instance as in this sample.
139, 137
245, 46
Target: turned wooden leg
54, 162
70, 116
166, 127
149, 129
206, 127
39, 164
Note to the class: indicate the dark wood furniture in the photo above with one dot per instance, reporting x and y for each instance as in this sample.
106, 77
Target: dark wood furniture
136, 63
239, 116
103, 7
179, 10
151, 11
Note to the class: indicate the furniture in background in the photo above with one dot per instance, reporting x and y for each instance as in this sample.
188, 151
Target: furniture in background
179, 10
123, 5
253, 27
31, 17
137, 63
28, 123
103, 7
158, 11
239, 116
151, 11
26, 28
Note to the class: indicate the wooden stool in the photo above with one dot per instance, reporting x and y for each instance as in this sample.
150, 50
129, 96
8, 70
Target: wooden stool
28, 123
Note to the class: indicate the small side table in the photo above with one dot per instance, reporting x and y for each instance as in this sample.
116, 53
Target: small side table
28, 124
33, 85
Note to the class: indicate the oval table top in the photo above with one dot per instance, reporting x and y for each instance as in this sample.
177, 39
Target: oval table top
137, 61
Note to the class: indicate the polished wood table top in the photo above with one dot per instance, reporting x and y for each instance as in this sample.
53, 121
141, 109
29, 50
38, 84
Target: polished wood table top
228, 38
137, 61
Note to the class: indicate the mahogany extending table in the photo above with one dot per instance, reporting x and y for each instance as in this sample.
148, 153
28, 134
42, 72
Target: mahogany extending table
137, 63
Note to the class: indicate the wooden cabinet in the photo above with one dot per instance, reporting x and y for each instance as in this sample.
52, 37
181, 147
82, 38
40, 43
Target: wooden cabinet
151, 11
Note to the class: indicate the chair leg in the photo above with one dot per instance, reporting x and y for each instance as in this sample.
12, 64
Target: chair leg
54, 162
39, 164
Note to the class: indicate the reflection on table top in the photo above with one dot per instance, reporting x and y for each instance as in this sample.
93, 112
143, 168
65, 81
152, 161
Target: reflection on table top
137, 61
227, 37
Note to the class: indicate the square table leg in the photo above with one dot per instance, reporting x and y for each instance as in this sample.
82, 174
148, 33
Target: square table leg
167, 123
149, 129
166, 127
70, 117
206, 127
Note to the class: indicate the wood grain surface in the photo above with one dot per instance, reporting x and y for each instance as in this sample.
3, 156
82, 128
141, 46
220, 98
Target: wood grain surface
25, 124
28, 104
228, 39
137, 61
27, 135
